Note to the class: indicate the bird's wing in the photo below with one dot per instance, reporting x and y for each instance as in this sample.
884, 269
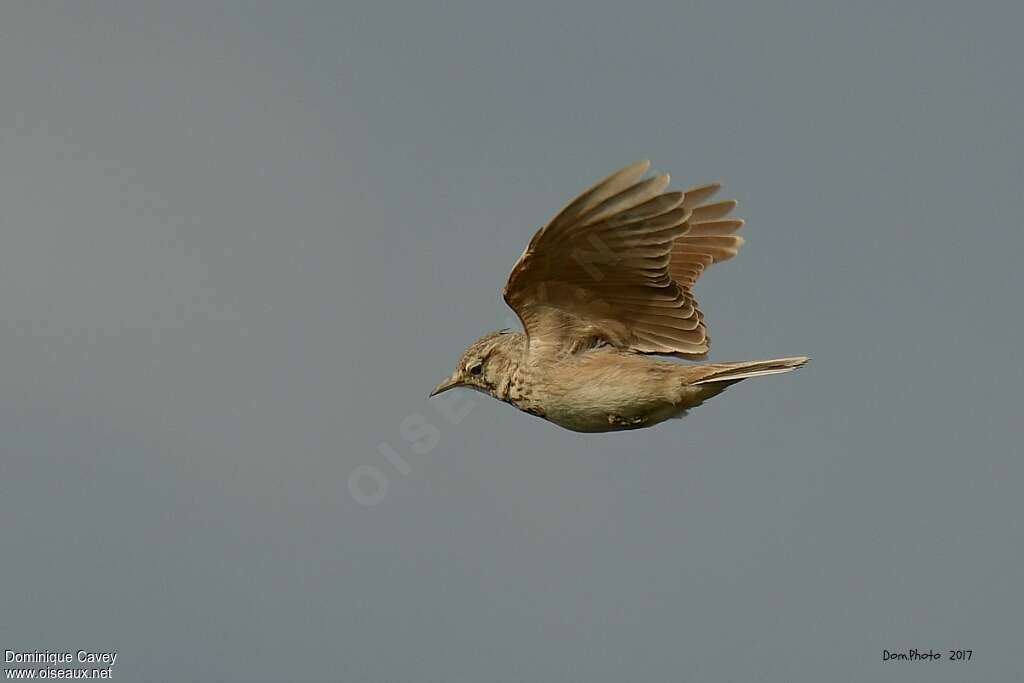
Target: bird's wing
617, 264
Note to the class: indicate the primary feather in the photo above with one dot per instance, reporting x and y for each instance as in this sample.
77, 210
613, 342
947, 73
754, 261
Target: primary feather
618, 264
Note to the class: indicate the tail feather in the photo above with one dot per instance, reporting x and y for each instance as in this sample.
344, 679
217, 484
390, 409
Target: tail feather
734, 372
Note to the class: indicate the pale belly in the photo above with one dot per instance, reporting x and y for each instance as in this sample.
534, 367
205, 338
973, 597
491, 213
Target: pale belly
614, 392
604, 421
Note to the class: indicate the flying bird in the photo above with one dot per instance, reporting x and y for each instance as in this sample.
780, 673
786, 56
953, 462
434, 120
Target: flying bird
600, 290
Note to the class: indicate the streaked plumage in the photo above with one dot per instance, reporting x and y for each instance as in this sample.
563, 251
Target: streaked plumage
608, 280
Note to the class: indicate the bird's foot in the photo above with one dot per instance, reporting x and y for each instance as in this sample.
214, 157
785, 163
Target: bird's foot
620, 421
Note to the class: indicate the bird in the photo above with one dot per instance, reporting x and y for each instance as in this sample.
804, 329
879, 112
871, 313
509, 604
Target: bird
604, 295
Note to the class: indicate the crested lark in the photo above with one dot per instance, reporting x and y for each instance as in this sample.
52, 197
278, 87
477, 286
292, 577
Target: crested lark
602, 285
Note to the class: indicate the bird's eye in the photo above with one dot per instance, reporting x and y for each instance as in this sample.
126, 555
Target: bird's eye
476, 369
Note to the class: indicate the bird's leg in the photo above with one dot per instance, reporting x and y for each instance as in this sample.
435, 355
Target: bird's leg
620, 421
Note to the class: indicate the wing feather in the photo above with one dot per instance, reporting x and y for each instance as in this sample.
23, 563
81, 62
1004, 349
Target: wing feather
618, 262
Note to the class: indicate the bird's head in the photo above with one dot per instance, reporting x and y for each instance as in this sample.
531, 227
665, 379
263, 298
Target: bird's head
485, 364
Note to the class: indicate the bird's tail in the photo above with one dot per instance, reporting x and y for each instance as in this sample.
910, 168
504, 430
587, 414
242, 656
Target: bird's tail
718, 373
701, 382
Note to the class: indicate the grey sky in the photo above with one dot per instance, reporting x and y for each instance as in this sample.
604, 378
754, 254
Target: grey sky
242, 241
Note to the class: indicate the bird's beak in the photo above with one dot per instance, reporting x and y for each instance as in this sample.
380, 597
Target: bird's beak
447, 384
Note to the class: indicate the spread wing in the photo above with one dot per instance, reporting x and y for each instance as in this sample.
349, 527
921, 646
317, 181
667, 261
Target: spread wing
618, 263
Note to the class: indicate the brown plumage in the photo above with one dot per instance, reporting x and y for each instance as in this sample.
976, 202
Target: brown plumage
607, 281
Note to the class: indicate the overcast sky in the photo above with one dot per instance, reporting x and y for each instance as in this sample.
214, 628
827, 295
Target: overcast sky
240, 242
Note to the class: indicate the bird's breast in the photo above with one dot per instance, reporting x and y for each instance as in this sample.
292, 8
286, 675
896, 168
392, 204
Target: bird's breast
598, 391
522, 389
